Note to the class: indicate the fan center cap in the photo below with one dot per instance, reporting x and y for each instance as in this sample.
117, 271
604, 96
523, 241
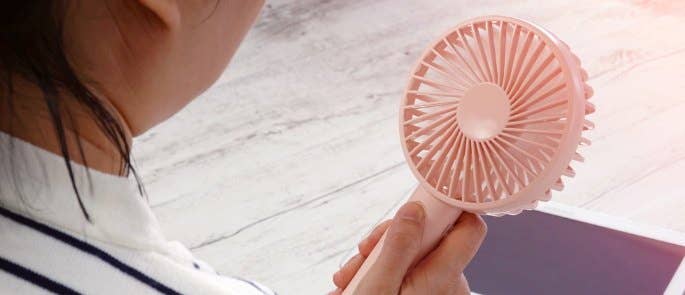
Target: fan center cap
483, 111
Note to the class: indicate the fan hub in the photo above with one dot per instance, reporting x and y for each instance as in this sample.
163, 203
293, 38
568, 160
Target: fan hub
483, 111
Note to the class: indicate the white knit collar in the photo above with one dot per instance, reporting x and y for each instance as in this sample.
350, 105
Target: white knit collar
35, 183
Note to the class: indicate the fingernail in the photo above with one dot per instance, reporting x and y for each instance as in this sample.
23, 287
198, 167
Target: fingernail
412, 211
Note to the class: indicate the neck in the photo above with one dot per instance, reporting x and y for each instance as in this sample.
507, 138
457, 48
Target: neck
26, 116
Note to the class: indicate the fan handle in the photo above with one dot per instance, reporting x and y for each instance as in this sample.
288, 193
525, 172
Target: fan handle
439, 218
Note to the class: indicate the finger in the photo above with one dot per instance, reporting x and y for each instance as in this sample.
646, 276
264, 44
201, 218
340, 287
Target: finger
367, 245
343, 277
457, 248
347, 272
336, 292
400, 246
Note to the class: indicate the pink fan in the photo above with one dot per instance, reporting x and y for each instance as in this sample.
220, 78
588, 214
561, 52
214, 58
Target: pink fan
489, 122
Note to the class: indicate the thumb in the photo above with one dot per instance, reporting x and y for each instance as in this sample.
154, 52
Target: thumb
401, 244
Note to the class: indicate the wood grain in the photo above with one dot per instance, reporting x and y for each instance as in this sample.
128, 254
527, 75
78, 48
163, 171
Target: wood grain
277, 171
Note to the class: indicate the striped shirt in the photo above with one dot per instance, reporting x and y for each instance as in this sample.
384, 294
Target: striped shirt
47, 245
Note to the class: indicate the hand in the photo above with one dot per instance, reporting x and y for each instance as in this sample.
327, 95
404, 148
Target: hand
439, 272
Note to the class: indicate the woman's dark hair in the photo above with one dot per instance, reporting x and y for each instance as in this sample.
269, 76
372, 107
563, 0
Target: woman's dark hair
31, 48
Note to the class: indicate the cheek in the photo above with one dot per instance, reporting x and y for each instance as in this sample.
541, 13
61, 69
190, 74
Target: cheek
215, 39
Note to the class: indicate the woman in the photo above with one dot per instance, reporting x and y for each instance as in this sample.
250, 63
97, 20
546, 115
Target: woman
79, 80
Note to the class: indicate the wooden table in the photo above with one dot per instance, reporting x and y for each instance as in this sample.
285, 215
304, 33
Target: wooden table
276, 172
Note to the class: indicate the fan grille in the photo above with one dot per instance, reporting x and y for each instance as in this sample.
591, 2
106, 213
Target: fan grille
486, 110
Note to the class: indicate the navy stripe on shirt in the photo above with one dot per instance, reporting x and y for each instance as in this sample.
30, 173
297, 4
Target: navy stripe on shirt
34, 278
88, 248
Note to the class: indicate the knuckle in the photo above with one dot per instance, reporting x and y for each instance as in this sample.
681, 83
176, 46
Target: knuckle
337, 279
362, 246
344, 274
476, 224
403, 240
409, 223
382, 225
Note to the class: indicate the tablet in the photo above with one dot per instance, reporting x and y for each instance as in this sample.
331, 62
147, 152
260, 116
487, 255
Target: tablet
560, 249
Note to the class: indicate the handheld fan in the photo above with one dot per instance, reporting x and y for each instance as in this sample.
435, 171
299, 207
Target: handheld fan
490, 120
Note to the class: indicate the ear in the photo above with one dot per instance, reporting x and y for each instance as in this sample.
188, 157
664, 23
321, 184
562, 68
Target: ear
166, 10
